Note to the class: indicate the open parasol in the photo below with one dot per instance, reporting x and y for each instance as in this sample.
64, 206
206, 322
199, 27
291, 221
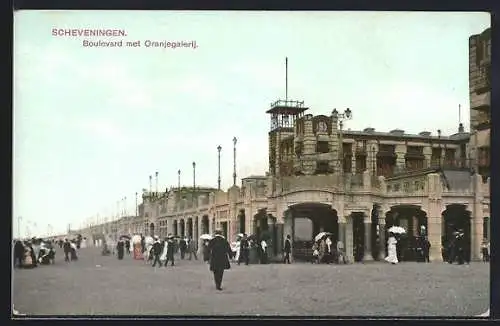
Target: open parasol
205, 237
321, 235
396, 229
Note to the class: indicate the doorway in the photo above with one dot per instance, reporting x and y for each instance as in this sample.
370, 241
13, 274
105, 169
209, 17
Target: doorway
224, 229
358, 235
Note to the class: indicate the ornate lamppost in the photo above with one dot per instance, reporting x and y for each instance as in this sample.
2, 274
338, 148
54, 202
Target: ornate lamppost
340, 118
234, 161
219, 148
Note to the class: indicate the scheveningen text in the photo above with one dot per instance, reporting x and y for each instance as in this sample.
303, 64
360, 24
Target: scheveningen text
76, 32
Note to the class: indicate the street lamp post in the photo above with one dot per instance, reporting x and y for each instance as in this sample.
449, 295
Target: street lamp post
136, 207
219, 148
125, 206
340, 118
194, 181
234, 161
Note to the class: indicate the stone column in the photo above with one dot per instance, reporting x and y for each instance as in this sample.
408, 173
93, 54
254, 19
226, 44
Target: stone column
367, 256
381, 230
353, 158
428, 155
434, 217
400, 156
349, 241
476, 219
309, 145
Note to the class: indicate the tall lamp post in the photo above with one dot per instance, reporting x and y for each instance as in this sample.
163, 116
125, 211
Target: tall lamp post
194, 181
340, 118
136, 207
219, 148
234, 161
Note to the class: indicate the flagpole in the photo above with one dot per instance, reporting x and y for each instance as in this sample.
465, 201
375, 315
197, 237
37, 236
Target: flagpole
286, 79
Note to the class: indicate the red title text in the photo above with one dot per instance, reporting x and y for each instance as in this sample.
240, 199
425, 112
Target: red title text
76, 32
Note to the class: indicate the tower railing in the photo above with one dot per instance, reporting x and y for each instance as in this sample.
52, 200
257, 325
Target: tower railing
288, 103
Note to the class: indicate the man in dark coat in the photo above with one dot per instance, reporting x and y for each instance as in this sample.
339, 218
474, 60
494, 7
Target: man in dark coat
67, 250
156, 251
18, 253
244, 250
170, 250
426, 248
287, 249
183, 247
120, 247
220, 251
127, 246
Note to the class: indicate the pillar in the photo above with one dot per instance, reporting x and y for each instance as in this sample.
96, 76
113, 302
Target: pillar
381, 230
477, 218
400, 157
427, 150
434, 217
367, 256
349, 241
353, 158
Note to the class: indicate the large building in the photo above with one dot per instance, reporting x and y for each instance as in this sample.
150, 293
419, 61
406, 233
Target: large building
354, 184
480, 99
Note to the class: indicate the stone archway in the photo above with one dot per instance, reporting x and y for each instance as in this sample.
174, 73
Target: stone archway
189, 227
241, 221
182, 228
205, 224
414, 220
456, 218
152, 229
305, 221
176, 228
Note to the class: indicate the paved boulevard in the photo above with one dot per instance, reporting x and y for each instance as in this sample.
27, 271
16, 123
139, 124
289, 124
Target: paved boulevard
104, 285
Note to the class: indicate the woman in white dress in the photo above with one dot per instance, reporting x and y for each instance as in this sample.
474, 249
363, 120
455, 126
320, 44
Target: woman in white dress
391, 250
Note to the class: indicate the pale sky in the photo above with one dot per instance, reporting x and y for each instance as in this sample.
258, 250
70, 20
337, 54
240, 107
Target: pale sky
91, 124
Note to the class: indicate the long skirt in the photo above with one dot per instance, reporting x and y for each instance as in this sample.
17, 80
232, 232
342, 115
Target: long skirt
138, 251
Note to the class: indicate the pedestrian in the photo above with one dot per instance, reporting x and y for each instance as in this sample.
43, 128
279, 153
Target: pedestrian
74, 257
170, 251
426, 248
127, 246
192, 248
392, 256
340, 252
244, 250
206, 251
263, 256
183, 247
67, 250
120, 247
18, 253
329, 251
287, 249
220, 252
156, 252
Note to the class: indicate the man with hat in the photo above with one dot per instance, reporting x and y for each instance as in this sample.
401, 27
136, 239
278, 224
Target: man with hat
170, 249
156, 251
220, 251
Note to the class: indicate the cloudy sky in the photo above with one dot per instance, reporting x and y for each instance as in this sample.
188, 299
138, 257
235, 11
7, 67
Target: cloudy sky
91, 124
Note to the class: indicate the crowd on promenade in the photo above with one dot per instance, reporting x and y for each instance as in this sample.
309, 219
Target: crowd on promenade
30, 253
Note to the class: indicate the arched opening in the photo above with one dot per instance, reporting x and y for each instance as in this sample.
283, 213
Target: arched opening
375, 232
205, 224
309, 219
456, 218
196, 229
152, 229
358, 235
190, 227
260, 225
414, 221
182, 230
176, 228
241, 221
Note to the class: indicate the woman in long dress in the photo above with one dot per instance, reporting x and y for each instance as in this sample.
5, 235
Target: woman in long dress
392, 256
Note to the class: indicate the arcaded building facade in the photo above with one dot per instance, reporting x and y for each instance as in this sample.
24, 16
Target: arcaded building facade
355, 184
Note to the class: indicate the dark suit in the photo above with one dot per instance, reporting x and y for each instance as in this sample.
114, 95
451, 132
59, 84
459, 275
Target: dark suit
220, 251
244, 252
156, 250
170, 251
287, 250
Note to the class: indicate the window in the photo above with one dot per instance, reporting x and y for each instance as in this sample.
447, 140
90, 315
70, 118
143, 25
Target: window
406, 187
322, 147
322, 167
397, 187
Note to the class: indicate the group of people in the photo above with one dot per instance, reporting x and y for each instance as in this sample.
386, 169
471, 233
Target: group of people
31, 253
243, 245
325, 251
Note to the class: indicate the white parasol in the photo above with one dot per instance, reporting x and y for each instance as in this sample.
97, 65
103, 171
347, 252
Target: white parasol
136, 239
205, 237
321, 235
396, 229
239, 235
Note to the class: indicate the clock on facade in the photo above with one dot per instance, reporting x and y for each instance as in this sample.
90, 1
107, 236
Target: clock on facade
322, 127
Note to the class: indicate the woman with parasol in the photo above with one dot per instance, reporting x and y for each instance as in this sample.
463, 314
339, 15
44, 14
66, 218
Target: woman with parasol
392, 256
